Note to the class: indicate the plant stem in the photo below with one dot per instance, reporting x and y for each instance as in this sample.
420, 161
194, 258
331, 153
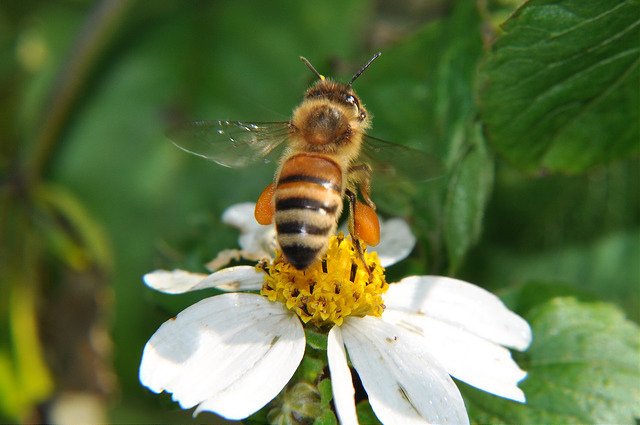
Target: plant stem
98, 30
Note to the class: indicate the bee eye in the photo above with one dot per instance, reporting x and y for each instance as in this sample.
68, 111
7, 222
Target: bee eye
350, 99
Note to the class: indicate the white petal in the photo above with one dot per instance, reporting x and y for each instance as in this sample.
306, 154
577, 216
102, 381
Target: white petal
173, 282
231, 354
396, 241
404, 383
341, 383
240, 278
241, 216
256, 241
461, 304
258, 244
474, 360
223, 258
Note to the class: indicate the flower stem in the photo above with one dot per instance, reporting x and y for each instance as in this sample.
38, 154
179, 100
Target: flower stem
71, 79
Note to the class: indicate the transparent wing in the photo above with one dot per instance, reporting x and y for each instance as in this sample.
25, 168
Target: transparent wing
397, 170
393, 161
230, 143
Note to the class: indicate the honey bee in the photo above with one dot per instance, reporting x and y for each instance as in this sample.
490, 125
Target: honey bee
327, 156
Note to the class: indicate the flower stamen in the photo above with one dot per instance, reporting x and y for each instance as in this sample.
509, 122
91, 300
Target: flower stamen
337, 286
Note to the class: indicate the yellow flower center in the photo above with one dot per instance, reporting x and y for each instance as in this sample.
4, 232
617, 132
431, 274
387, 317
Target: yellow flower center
337, 286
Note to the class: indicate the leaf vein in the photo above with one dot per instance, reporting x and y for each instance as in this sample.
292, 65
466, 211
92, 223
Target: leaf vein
593, 19
562, 61
523, 112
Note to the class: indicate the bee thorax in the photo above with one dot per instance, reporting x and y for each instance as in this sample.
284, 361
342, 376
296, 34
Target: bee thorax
325, 125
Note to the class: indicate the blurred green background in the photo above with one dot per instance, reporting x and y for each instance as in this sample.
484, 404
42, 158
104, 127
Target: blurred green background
93, 195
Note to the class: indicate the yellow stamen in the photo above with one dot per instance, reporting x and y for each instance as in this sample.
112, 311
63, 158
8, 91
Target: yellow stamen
337, 286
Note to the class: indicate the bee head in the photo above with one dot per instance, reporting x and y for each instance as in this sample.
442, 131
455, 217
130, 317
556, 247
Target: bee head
331, 112
341, 94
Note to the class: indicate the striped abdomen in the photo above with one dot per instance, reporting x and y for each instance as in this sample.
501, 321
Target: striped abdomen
308, 201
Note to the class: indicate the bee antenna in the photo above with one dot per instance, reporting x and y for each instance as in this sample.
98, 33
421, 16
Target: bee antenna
315, 71
357, 74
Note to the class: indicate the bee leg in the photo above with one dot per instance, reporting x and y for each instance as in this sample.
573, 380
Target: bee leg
366, 225
265, 207
360, 175
353, 226
365, 220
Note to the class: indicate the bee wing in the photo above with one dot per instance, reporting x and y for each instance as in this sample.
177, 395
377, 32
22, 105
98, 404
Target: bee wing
396, 169
230, 143
392, 161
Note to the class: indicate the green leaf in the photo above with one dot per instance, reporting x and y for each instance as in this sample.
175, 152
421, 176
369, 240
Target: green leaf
327, 417
570, 209
310, 369
420, 91
468, 193
532, 294
74, 235
605, 267
560, 86
582, 368
315, 339
25, 377
326, 394
421, 94
579, 230
365, 414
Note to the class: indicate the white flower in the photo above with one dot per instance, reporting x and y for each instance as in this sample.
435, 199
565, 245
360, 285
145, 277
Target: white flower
233, 353
258, 242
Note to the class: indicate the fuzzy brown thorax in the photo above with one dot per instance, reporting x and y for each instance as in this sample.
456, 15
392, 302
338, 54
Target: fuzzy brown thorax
329, 118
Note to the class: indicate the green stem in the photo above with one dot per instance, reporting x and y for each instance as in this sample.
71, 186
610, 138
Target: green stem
91, 42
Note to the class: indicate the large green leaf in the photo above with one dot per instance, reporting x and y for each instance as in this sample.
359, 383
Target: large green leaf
471, 165
579, 230
570, 209
582, 368
468, 192
560, 86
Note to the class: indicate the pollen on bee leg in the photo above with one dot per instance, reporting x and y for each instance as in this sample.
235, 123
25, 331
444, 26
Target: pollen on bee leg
366, 224
342, 283
265, 207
